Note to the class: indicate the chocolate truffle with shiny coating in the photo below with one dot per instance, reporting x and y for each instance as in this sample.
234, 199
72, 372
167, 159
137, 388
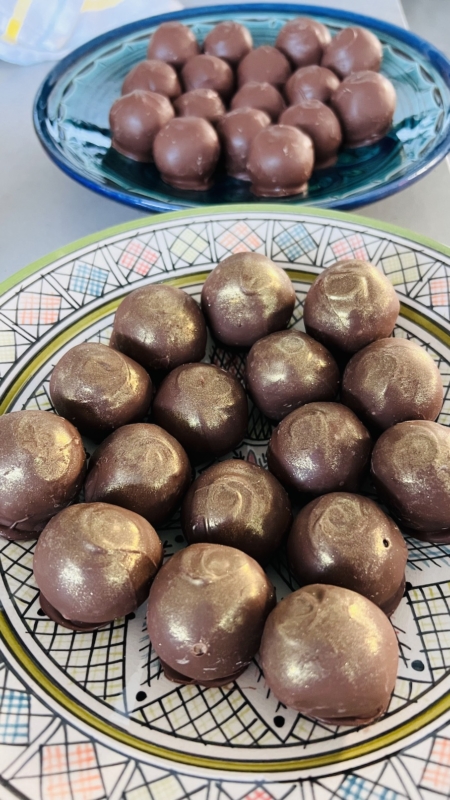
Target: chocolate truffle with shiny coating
321, 125
320, 448
346, 540
173, 43
280, 162
240, 505
208, 72
160, 327
228, 40
410, 469
287, 369
95, 562
391, 381
263, 96
350, 305
246, 297
42, 467
365, 104
186, 153
204, 407
237, 130
206, 613
99, 389
352, 50
153, 76
330, 654
204, 103
311, 83
140, 467
135, 119
303, 41
265, 64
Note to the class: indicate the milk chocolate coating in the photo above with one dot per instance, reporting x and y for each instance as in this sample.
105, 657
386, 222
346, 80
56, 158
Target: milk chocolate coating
303, 41
352, 50
153, 76
280, 161
365, 104
410, 471
391, 381
208, 72
140, 467
204, 407
173, 43
186, 153
95, 562
331, 654
204, 103
160, 327
346, 540
321, 125
350, 305
263, 96
311, 83
246, 297
237, 504
265, 64
135, 119
42, 466
99, 389
320, 448
228, 40
237, 130
206, 613
287, 369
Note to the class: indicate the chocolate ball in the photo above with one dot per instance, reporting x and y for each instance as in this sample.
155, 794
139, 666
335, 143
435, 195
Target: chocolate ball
330, 654
350, 305
287, 369
95, 562
346, 540
237, 130
352, 50
153, 76
140, 467
42, 466
204, 103
228, 40
263, 96
206, 613
204, 407
160, 327
173, 43
135, 119
411, 474
186, 153
365, 104
303, 41
99, 389
246, 297
390, 381
237, 504
280, 162
320, 448
321, 125
311, 83
265, 64
208, 72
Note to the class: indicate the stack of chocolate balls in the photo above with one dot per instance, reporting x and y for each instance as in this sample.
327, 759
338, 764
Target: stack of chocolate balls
272, 114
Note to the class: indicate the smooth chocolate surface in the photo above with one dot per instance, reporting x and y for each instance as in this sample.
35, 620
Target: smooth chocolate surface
331, 654
303, 41
320, 448
311, 83
95, 562
174, 43
322, 126
237, 130
263, 96
135, 119
42, 466
351, 50
140, 467
246, 297
228, 40
206, 613
204, 103
208, 72
346, 540
365, 104
265, 64
238, 504
186, 153
153, 76
280, 162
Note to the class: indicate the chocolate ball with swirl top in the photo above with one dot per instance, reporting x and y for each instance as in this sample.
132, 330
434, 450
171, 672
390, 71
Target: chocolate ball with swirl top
321, 125
237, 129
263, 96
153, 76
351, 50
135, 119
265, 64
311, 83
208, 72
186, 153
228, 40
303, 41
280, 162
365, 104
173, 43
204, 103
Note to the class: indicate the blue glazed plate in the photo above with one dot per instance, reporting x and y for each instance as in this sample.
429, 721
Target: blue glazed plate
71, 114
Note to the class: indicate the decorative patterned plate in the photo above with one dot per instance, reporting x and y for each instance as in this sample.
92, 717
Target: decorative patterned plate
71, 114
85, 716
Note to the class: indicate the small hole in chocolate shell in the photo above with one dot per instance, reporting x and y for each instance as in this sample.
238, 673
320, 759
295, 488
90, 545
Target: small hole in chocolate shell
386, 542
199, 649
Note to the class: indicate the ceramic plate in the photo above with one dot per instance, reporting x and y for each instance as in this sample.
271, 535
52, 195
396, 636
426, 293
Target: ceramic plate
71, 114
85, 716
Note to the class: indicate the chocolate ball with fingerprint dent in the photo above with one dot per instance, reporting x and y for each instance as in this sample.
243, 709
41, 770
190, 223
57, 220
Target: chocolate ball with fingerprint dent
173, 43
208, 72
322, 126
311, 83
280, 162
237, 130
153, 76
204, 103
365, 104
303, 41
265, 64
228, 40
351, 50
135, 119
186, 153
263, 96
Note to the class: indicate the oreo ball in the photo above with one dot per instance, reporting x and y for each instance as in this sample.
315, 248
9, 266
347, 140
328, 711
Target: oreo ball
153, 76
263, 96
204, 103
173, 43
265, 64
365, 104
228, 40
303, 41
186, 153
351, 50
322, 126
135, 119
208, 72
237, 129
311, 83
